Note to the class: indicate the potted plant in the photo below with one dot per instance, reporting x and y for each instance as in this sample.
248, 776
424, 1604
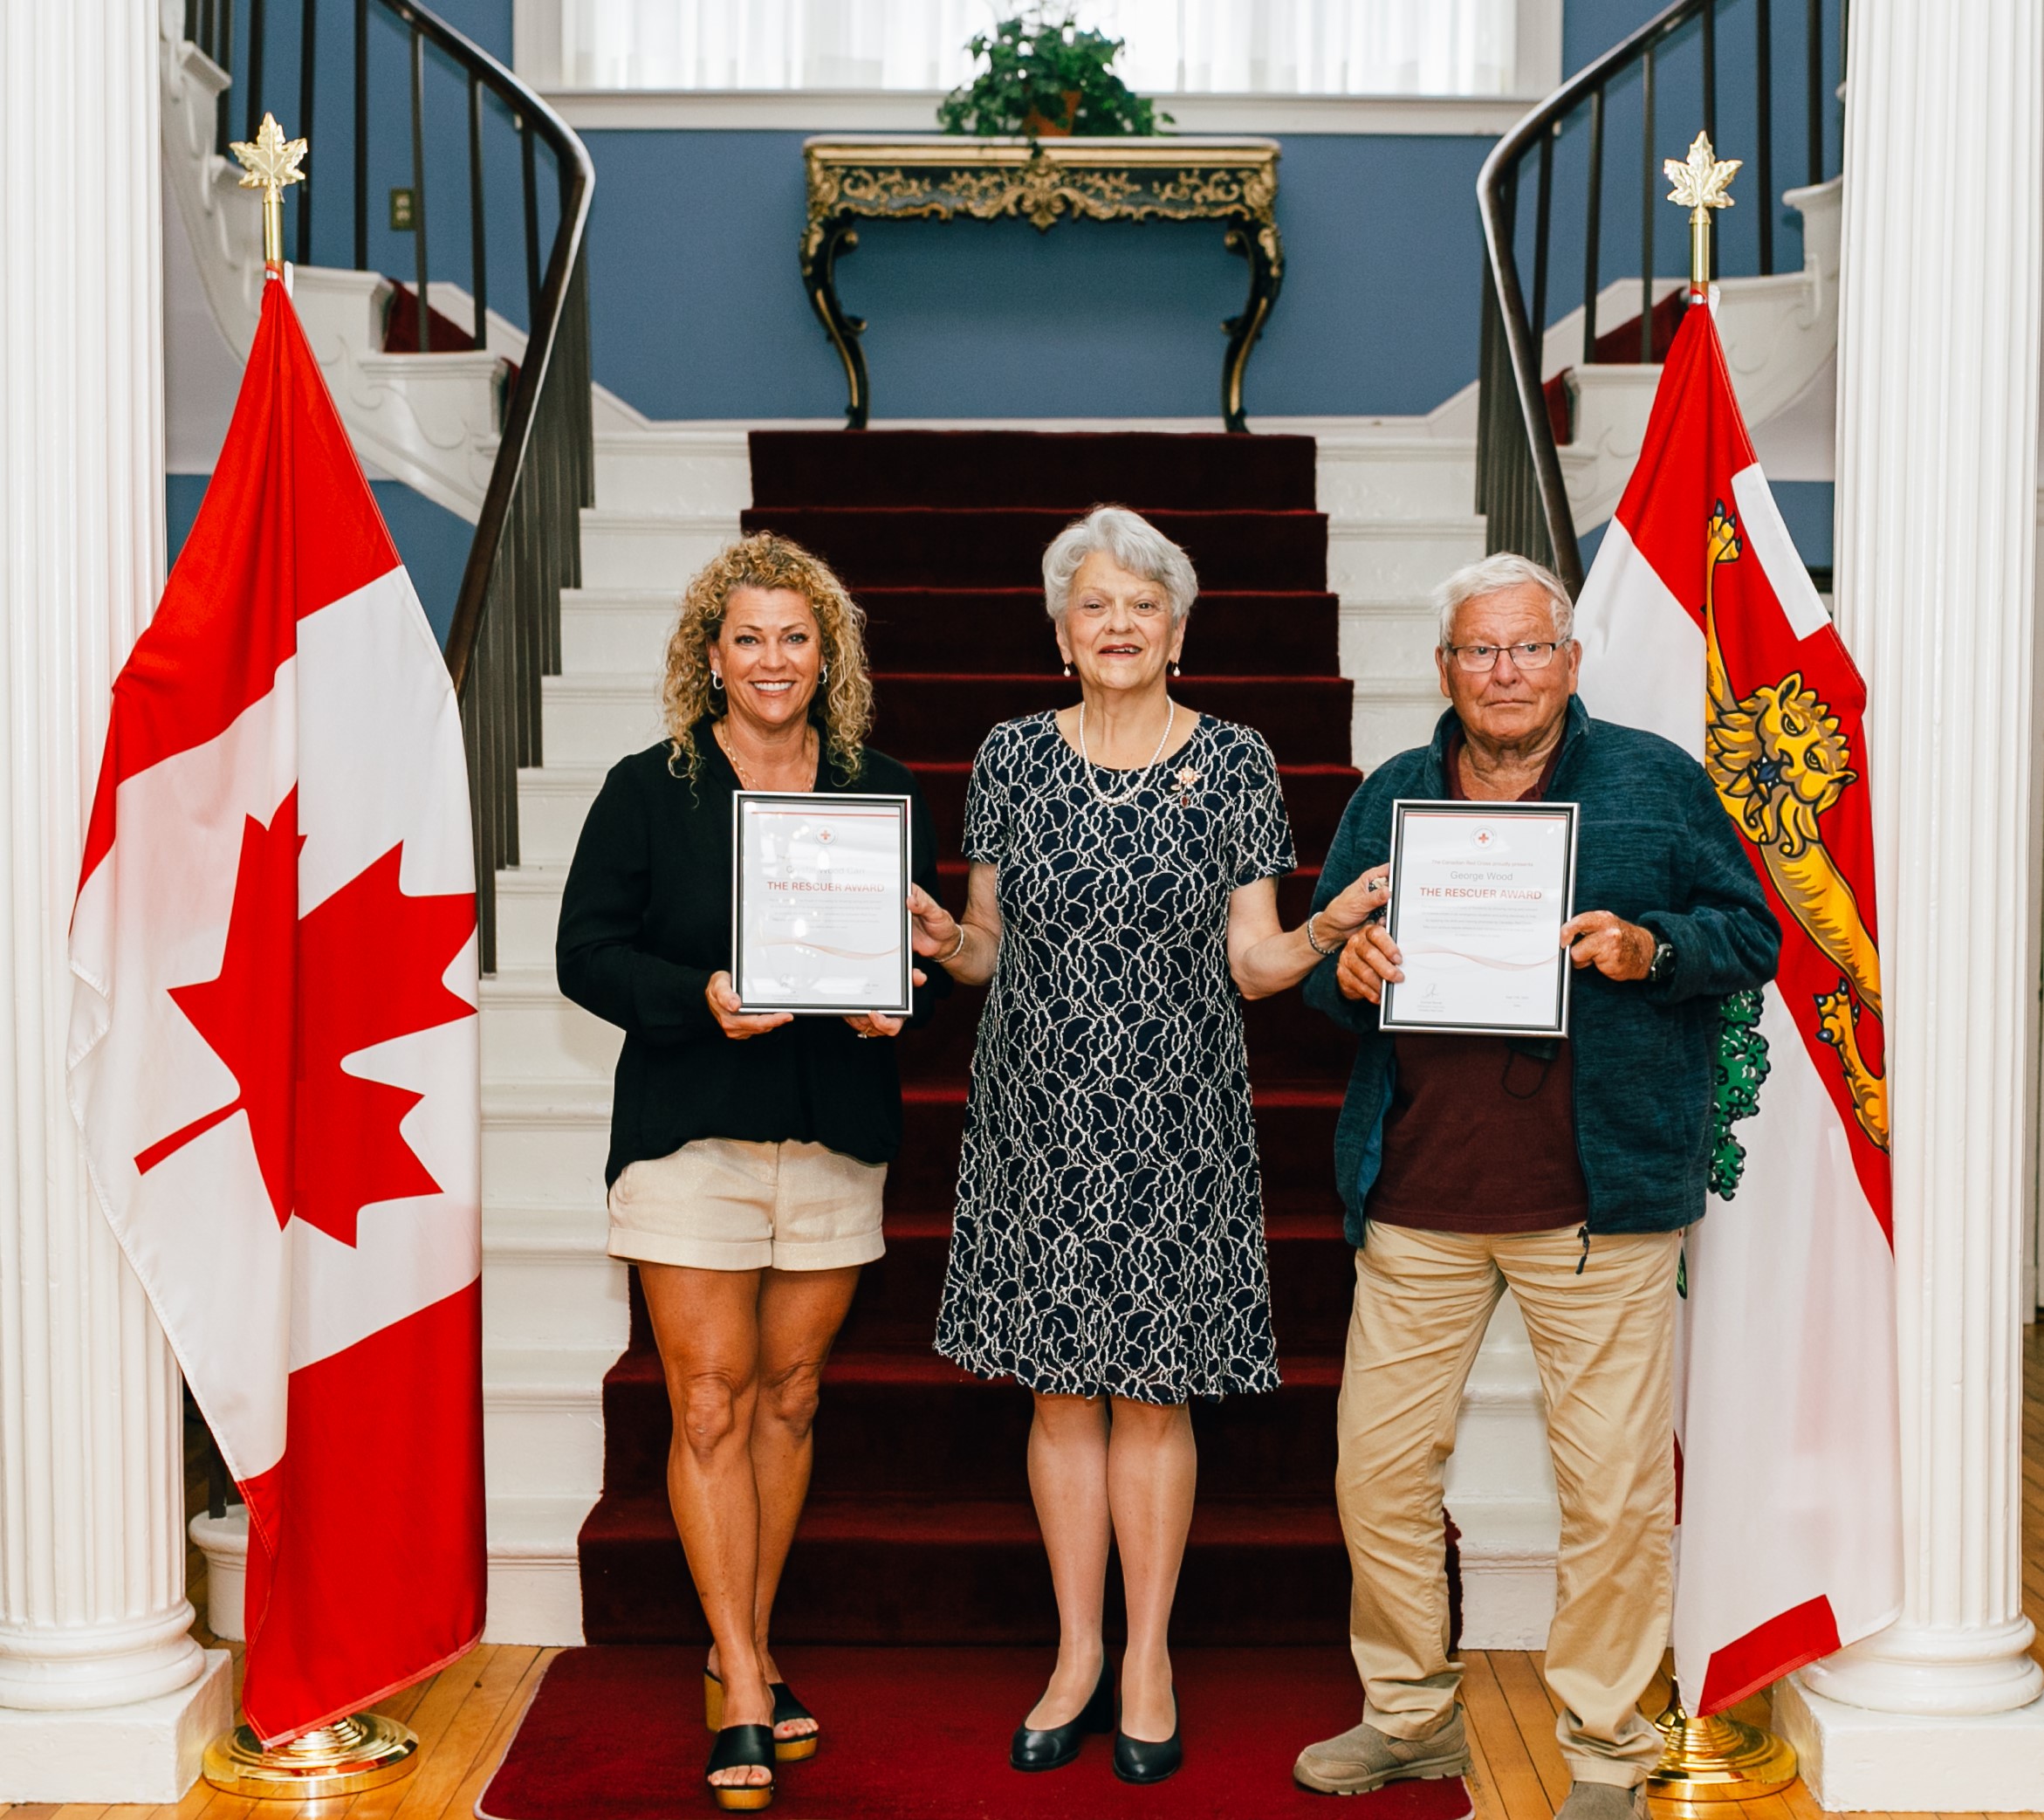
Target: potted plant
1045, 77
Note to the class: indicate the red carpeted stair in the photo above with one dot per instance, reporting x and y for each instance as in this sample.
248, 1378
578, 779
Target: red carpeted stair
919, 1527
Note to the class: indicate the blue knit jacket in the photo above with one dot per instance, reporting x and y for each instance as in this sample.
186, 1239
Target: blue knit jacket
1654, 846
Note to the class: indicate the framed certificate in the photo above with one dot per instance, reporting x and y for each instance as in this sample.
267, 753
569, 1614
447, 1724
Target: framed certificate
820, 902
1479, 892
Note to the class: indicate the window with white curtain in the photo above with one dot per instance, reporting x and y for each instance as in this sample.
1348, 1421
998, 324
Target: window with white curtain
1270, 47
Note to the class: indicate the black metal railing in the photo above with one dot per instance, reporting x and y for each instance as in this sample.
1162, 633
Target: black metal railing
1519, 483
506, 631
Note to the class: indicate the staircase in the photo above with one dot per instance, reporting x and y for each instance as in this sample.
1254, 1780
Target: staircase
1556, 442
1396, 495
919, 1526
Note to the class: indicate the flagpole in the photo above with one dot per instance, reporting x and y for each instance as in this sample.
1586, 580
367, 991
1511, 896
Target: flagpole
269, 162
362, 1750
1702, 182
1718, 1758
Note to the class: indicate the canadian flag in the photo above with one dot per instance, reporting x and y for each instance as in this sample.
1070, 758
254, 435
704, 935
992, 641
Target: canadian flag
1699, 622
273, 1050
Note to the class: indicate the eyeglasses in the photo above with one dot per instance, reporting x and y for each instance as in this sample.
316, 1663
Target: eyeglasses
1478, 658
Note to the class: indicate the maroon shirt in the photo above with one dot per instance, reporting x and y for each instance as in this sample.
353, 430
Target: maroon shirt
1481, 1133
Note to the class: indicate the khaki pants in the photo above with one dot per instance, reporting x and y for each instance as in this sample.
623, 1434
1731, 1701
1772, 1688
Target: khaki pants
1604, 1342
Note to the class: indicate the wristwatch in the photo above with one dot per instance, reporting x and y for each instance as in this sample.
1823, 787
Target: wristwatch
1663, 963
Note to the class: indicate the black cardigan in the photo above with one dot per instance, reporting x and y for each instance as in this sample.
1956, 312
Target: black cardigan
646, 919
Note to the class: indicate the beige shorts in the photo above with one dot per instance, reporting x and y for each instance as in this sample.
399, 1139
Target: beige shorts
724, 1204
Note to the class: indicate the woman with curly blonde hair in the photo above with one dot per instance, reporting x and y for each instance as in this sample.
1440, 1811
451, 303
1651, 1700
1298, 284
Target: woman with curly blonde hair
748, 1152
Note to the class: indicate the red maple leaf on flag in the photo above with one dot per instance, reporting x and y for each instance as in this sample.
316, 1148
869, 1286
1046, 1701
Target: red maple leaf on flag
295, 998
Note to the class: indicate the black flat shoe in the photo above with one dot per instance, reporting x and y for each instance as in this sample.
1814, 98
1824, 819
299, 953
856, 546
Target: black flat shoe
1138, 1762
1058, 1744
742, 1747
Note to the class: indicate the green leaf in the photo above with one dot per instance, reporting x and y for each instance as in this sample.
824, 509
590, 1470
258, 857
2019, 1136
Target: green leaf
1035, 63
1742, 1068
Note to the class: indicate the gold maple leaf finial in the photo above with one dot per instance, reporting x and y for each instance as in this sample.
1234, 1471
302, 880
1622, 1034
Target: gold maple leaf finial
1702, 180
268, 165
272, 161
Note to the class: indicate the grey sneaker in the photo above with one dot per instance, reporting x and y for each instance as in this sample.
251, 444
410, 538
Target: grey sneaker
1364, 1758
1604, 1801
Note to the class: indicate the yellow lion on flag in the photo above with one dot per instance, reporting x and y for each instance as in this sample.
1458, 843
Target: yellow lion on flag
1779, 760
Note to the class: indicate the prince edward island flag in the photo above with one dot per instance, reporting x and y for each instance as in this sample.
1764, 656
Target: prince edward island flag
1699, 622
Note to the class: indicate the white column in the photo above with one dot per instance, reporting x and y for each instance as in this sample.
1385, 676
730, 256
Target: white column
1939, 319
104, 1694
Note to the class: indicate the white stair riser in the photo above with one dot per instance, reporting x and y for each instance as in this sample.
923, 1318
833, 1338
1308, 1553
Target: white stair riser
1501, 1450
526, 921
1389, 644
1402, 481
636, 474
1384, 729
541, 1299
551, 814
615, 634
535, 1600
538, 1039
645, 553
1401, 566
550, 1163
1506, 1603
541, 1446
587, 725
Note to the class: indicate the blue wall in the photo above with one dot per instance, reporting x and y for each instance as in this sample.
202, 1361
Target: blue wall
697, 311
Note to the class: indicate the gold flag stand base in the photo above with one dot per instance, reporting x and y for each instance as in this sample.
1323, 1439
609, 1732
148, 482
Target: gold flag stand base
344, 1758
1716, 1759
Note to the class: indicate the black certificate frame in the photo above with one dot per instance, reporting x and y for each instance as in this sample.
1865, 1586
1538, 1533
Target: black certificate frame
827, 806
1557, 1026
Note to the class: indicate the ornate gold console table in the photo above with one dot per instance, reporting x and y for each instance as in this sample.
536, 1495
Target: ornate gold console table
940, 176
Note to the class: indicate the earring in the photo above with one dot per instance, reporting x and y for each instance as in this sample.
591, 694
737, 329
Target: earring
1175, 670
824, 674
1067, 669
716, 682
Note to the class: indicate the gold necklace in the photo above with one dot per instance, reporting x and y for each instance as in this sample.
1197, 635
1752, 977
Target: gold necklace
724, 745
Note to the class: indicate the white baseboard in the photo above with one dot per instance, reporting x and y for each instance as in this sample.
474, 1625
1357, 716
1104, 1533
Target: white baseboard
535, 1573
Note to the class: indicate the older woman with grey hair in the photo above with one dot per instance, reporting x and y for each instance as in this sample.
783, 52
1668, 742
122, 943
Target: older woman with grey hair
1107, 1249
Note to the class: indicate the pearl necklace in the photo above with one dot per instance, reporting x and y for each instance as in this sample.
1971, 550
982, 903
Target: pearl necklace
1128, 795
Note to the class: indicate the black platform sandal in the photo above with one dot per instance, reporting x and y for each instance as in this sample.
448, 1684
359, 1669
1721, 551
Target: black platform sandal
785, 1706
1058, 1744
1136, 1761
742, 1747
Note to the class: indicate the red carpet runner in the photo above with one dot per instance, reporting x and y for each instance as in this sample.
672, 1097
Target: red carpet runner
919, 1527
922, 1734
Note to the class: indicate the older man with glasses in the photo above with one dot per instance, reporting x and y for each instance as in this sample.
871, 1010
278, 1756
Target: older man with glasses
1565, 1171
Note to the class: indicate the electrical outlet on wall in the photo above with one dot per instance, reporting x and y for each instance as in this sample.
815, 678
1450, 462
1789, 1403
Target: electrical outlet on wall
401, 211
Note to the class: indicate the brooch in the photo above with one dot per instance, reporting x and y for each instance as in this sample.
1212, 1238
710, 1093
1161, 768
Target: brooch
1187, 779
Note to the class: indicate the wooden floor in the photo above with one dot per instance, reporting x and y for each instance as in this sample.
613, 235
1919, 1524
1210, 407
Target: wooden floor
466, 1714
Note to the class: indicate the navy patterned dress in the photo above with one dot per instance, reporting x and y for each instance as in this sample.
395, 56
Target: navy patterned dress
1109, 1233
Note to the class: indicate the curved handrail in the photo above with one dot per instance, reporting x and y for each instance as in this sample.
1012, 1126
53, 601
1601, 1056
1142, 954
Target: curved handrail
1522, 337
543, 336
504, 634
